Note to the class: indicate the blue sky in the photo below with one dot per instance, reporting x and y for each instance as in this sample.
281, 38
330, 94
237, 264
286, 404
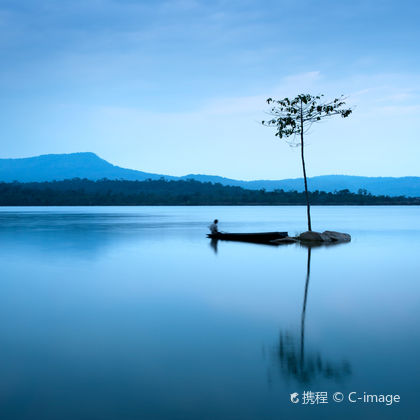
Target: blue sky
179, 87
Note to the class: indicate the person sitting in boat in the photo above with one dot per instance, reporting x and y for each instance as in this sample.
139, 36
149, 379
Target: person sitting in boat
214, 229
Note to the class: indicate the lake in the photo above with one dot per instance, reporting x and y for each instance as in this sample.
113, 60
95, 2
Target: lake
128, 313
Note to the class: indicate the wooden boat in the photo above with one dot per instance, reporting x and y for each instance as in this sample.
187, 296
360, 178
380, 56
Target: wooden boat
260, 237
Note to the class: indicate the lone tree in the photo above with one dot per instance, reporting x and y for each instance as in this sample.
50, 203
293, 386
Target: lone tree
292, 118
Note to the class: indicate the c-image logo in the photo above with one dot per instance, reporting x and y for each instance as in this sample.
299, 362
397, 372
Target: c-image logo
294, 398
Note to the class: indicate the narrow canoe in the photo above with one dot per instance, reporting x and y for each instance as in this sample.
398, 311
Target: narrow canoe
261, 237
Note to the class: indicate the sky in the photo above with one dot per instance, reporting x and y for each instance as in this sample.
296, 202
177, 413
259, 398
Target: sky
179, 86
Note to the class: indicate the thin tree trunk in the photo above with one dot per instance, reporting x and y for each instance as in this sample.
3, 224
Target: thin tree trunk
308, 209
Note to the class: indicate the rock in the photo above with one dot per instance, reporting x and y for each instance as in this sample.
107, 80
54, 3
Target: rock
325, 237
337, 236
311, 236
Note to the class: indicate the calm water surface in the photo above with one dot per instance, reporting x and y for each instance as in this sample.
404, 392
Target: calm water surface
132, 313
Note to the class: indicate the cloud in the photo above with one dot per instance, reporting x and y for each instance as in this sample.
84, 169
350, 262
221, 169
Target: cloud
287, 86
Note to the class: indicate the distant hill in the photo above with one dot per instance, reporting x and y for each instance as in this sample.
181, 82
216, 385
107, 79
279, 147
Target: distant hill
90, 166
66, 166
408, 186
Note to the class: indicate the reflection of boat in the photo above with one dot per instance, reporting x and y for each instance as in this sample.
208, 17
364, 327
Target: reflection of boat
261, 237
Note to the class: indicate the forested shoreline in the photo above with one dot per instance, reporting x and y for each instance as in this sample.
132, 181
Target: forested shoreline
84, 192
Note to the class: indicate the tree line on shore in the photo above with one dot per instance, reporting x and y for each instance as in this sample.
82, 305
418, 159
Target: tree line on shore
84, 192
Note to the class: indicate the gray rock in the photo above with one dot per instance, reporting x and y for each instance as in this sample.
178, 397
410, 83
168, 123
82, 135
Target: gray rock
311, 236
337, 236
325, 237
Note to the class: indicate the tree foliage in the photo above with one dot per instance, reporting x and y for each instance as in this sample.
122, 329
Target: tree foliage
83, 192
293, 117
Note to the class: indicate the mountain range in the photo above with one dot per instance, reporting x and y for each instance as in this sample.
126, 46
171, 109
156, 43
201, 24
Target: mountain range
90, 166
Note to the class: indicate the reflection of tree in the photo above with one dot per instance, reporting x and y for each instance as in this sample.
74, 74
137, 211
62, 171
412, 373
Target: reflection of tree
294, 363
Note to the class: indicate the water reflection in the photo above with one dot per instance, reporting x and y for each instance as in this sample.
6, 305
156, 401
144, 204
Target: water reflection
290, 353
214, 245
